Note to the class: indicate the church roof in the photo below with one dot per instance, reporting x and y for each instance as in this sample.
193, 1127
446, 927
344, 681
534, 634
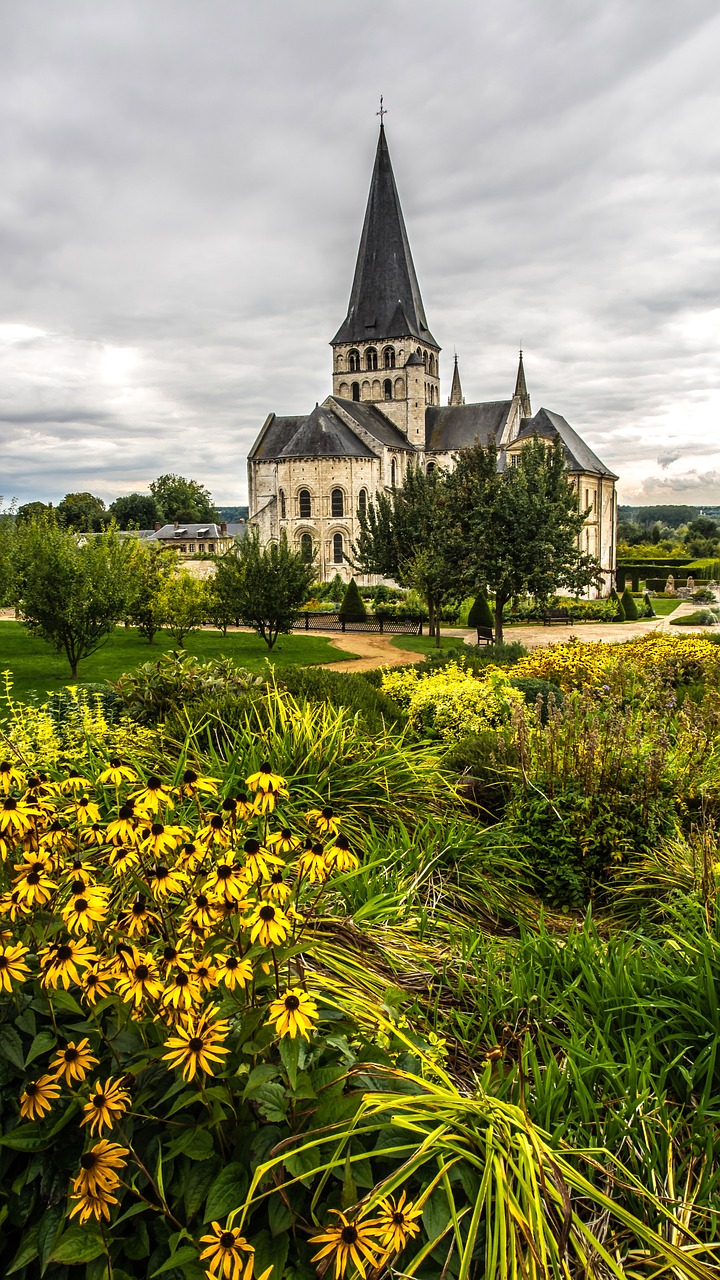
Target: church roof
323, 434
385, 297
275, 435
578, 455
457, 426
374, 421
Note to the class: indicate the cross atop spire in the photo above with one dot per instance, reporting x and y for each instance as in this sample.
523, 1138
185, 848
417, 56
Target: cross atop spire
521, 390
382, 112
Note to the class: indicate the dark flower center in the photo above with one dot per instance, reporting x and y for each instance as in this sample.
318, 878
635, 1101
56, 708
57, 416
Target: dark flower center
216, 822
157, 828
202, 972
292, 1003
88, 1160
348, 1235
4, 962
142, 972
126, 811
398, 1219
342, 842
56, 825
231, 963
91, 980
327, 813
5, 767
224, 872
83, 801
154, 784
10, 803
189, 777
64, 952
77, 886
242, 798
267, 913
99, 1100
160, 872
71, 1055
31, 1089
196, 1044
252, 846
115, 762
189, 849
318, 850
227, 1240
286, 833
265, 768
276, 877
138, 908
169, 953
182, 979
33, 878
229, 805
81, 904
201, 900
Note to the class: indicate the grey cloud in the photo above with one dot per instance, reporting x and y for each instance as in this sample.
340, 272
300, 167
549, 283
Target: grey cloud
670, 456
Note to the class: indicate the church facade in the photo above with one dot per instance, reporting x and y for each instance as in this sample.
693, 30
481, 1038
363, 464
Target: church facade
311, 474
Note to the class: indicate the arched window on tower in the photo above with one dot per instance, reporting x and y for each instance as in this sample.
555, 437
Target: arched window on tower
430, 468
393, 473
337, 548
362, 502
283, 505
389, 357
356, 390
305, 504
371, 360
337, 503
306, 547
387, 389
425, 360
354, 361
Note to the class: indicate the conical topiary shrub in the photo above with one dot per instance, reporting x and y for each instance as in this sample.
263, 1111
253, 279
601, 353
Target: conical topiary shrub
614, 596
629, 606
649, 611
353, 608
481, 615
620, 615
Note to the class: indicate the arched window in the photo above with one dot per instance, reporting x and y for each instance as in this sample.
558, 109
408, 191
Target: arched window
354, 361
356, 390
306, 547
283, 507
305, 505
371, 360
339, 363
387, 389
337, 548
389, 357
425, 359
337, 503
430, 468
362, 502
393, 473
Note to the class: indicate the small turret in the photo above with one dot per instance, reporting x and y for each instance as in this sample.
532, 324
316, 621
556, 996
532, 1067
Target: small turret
456, 395
521, 391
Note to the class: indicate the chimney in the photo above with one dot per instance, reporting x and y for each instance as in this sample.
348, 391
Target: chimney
157, 525
223, 529
177, 524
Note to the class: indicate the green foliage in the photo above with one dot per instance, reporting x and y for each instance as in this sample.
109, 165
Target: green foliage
351, 690
481, 615
577, 610
353, 608
704, 596
629, 606
265, 587
532, 689
181, 499
648, 611
154, 690
700, 618
153, 570
136, 511
619, 612
183, 603
82, 511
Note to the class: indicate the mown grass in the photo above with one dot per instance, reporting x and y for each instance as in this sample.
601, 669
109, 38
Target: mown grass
425, 644
37, 670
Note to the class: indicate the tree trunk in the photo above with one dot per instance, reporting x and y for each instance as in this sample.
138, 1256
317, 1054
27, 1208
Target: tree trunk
437, 631
500, 602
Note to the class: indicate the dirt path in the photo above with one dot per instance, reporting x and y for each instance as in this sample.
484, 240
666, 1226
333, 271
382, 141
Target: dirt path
372, 650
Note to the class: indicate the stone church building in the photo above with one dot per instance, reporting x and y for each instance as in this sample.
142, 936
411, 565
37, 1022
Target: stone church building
310, 474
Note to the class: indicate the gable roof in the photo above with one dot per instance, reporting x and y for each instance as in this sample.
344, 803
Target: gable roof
372, 419
457, 426
274, 435
209, 529
578, 455
385, 297
324, 434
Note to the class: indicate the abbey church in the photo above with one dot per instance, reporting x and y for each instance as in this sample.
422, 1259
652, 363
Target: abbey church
312, 473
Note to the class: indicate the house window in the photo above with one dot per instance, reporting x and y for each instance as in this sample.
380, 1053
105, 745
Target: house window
356, 390
371, 360
393, 473
389, 357
362, 502
337, 548
513, 459
305, 506
211, 546
201, 546
283, 505
354, 362
306, 547
337, 503
387, 389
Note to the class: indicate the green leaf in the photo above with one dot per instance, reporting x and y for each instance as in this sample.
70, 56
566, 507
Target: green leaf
28, 1249
196, 1185
258, 1077
50, 1224
44, 1042
270, 1251
78, 1244
349, 1189
21, 1140
11, 1046
186, 1254
272, 1101
196, 1143
290, 1054
227, 1192
279, 1216
138, 1246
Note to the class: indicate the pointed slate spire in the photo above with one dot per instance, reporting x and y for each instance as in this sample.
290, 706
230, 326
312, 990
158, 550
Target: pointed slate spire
521, 390
385, 298
456, 395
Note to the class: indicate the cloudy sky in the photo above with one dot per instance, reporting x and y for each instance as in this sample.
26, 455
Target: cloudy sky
183, 186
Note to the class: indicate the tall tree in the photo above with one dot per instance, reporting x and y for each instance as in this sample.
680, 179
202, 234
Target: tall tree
82, 511
33, 511
69, 591
136, 511
184, 604
264, 587
153, 569
181, 499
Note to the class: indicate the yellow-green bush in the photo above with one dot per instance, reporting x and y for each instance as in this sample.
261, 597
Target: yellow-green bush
452, 703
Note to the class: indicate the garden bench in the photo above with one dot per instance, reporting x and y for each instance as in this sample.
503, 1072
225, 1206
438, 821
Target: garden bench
485, 635
555, 615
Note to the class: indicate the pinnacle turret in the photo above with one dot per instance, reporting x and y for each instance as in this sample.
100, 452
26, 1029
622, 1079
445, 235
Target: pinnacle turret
456, 395
521, 390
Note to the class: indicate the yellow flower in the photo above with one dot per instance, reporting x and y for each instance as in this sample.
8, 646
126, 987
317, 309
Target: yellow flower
138, 919
265, 801
73, 782
339, 856
108, 1104
149, 798
95, 983
312, 863
73, 1063
164, 879
160, 840
294, 1014
117, 773
227, 1253
60, 962
122, 858
89, 1206
139, 980
277, 888
192, 784
397, 1222
33, 884
87, 810
269, 925
56, 836
200, 914
258, 862
265, 780
325, 820
97, 1169
204, 973
10, 776
348, 1242
233, 971
214, 831
93, 834
197, 1046
83, 912
283, 841
124, 828
192, 855
37, 1097
183, 992
12, 964
227, 880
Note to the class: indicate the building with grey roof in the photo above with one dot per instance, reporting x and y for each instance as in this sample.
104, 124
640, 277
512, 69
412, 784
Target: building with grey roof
311, 474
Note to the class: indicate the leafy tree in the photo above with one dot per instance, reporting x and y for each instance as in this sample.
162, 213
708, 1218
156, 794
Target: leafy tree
353, 608
8, 525
183, 603
82, 511
72, 593
153, 569
181, 499
136, 511
33, 511
264, 587
516, 531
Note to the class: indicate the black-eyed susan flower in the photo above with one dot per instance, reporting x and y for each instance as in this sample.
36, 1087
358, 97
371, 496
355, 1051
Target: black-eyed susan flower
339, 855
214, 831
164, 879
227, 880
348, 1243
313, 865
98, 1168
197, 1046
11, 905
117, 773
153, 796
396, 1222
204, 973
259, 862
87, 810
33, 882
283, 841
139, 980
182, 991
265, 779
324, 820
193, 783
73, 782
95, 983
83, 912
227, 1254
61, 962
12, 965
93, 834
57, 837
200, 914
37, 1097
88, 1206
123, 858
175, 957
277, 888
265, 801
10, 776
269, 925
107, 1104
191, 855
294, 1014
72, 1063
138, 920
243, 807
233, 971
17, 816
124, 828
161, 840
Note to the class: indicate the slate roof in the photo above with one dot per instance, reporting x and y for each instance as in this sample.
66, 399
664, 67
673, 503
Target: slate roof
578, 455
192, 532
385, 297
324, 435
457, 426
368, 415
275, 435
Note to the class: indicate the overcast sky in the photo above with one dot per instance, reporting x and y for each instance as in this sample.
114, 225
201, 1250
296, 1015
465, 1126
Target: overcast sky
182, 192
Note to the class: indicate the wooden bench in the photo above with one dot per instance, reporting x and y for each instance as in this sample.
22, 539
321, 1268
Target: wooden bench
485, 635
555, 615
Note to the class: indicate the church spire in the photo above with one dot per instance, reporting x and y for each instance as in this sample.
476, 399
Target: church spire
521, 391
456, 395
385, 298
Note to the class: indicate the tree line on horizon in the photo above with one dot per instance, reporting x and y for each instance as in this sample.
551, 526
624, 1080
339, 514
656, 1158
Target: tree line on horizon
170, 497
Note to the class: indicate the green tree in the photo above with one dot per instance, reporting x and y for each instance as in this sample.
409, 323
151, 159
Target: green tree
353, 608
72, 592
181, 499
8, 527
264, 587
481, 615
153, 568
516, 531
136, 511
83, 512
184, 604
33, 511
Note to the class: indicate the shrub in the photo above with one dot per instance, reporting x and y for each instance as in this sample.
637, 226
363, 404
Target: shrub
704, 596
619, 613
154, 689
649, 612
473, 657
480, 763
340, 689
353, 608
629, 606
531, 689
452, 702
700, 618
481, 615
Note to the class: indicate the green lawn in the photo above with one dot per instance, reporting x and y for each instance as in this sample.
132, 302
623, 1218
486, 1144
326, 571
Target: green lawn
37, 669
664, 607
425, 644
